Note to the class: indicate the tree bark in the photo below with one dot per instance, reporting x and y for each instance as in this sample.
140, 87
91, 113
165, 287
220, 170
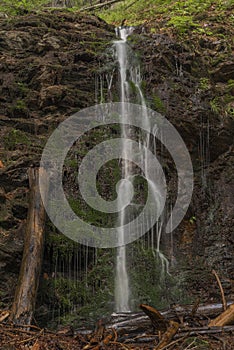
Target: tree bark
26, 290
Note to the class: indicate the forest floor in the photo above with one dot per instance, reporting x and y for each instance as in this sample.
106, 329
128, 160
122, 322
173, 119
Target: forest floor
13, 338
188, 330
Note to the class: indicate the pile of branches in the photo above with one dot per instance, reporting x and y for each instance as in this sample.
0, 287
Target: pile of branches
191, 327
181, 328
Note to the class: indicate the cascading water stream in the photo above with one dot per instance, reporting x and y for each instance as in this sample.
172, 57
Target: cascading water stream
122, 283
130, 75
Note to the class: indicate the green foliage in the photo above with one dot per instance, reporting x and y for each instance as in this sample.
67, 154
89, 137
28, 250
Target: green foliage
19, 108
20, 105
23, 89
72, 163
230, 84
215, 106
81, 286
15, 7
183, 16
193, 219
149, 280
14, 138
204, 84
158, 104
182, 23
61, 244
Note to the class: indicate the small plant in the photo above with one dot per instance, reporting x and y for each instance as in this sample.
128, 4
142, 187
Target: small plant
204, 84
19, 108
230, 111
23, 89
15, 138
230, 85
182, 23
215, 106
192, 220
15, 7
158, 104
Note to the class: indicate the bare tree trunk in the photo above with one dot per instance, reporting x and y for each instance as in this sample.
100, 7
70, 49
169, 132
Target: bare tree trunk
26, 290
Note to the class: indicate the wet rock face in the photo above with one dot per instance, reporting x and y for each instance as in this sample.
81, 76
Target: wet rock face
48, 64
189, 82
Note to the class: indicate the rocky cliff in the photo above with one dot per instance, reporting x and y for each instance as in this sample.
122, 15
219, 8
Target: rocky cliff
48, 66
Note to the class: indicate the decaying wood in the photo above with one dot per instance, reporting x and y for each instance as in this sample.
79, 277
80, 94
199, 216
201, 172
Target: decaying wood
157, 319
195, 307
136, 322
14, 337
226, 318
4, 315
168, 335
204, 330
26, 290
221, 289
98, 6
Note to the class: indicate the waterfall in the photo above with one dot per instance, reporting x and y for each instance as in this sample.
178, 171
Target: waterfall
122, 283
130, 77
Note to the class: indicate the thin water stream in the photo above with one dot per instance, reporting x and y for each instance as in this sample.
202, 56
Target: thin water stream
130, 75
122, 282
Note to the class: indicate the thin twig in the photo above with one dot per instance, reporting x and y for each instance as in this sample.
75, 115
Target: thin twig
195, 307
118, 343
174, 342
115, 334
221, 290
31, 338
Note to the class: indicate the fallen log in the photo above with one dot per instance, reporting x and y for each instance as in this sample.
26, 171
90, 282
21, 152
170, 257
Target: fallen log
26, 290
182, 333
138, 321
98, 6
226, 318
158, 321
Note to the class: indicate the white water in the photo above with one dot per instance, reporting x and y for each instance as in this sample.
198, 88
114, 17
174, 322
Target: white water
130, 72
122, 282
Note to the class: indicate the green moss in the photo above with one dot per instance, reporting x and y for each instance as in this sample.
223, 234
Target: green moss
133, 87
23, 89
81, 287
19, 108
182, 23
14, 138
150, 283
61, 244
204, 83
15, 7
72, 163
158, 104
